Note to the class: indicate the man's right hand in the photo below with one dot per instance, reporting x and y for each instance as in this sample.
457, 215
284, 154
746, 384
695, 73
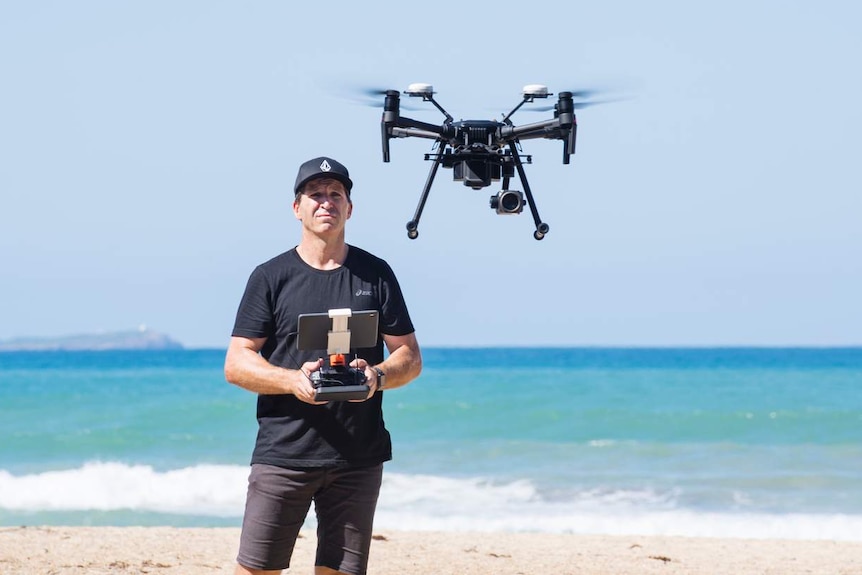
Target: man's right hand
302, 387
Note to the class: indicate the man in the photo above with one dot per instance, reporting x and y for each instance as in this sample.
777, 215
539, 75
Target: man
331, 453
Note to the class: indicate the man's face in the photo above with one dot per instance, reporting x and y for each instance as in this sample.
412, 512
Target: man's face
323, 205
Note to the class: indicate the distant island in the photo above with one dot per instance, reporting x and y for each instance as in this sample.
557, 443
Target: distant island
141, 338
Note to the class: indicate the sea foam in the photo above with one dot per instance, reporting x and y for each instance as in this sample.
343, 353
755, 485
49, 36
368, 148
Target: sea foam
414, 502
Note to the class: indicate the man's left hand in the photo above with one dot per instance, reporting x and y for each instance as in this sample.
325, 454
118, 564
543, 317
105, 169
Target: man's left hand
370, 377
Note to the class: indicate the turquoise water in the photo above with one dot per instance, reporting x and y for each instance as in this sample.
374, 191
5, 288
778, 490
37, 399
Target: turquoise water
744, 442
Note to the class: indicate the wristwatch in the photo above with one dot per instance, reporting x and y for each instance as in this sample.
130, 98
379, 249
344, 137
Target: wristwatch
381, 378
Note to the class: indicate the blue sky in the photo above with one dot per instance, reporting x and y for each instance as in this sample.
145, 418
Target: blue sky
148, 151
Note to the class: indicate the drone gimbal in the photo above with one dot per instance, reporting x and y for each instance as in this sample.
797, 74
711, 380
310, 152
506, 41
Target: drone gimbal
481, 151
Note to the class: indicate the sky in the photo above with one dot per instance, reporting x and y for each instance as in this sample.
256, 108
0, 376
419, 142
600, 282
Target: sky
148, 152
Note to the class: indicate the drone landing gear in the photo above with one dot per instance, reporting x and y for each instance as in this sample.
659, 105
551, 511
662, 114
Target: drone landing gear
413, 225
541, 227
541, 230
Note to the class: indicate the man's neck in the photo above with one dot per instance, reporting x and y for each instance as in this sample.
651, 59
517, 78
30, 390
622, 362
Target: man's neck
321, 254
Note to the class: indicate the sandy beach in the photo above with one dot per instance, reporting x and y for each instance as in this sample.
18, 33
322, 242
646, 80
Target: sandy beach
205, 551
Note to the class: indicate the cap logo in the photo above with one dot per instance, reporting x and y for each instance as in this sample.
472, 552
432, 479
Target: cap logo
325, 167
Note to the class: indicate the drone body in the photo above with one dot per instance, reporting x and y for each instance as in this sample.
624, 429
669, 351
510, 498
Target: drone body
482, 151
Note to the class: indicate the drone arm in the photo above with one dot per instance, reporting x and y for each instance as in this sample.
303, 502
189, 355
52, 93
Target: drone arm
562, 128
408, 127
437, 129
408, 132
546, 129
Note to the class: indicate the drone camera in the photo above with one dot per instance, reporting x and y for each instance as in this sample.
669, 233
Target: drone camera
508, 202
476, 174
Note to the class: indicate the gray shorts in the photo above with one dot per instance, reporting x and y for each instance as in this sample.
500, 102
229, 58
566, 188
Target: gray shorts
278, 501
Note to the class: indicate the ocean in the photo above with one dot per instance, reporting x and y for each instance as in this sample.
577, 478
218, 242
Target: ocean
726, 442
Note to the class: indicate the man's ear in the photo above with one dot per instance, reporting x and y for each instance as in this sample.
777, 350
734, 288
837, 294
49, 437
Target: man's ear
296, 208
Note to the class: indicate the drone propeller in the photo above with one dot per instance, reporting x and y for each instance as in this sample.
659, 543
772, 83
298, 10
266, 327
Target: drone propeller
417, 88
538, 91
369, 94
372, 92
371, 97
365, 96
584, 93
577, 105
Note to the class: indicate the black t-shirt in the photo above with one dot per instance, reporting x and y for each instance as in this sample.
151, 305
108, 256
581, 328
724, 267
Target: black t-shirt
293, 433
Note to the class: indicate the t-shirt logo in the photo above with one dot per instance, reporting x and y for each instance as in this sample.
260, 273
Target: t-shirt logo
325, 167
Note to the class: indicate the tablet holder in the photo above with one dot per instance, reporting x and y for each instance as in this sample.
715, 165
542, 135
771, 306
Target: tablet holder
336, 330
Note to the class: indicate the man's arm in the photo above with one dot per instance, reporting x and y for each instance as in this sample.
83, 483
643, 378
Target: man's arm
245, 367
404, 363
401, 367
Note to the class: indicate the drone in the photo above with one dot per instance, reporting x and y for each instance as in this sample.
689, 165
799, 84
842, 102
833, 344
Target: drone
482, 151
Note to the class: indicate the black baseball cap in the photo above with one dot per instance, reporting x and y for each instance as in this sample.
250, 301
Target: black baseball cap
322, 167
